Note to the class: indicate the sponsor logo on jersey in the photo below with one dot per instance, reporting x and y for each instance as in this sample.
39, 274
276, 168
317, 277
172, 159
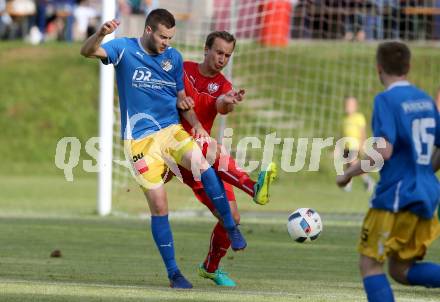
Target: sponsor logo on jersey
213, 87
140, 54
166, 65
143, 78
142, 74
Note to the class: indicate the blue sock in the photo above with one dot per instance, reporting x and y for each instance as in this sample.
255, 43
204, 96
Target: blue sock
216, 192
160, 227
425, 274
378, 289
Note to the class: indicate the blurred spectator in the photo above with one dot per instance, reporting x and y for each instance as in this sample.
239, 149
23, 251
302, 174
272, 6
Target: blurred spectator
139, 6
354, 130
127, 7
5, 20
19, 12
64, 19
436, 25
85, 20
304, 26
55, 19
385, 22
355, 19
41, 17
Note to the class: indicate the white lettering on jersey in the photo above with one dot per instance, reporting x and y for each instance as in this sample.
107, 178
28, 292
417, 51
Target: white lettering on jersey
143, 78
420, 106
141, 74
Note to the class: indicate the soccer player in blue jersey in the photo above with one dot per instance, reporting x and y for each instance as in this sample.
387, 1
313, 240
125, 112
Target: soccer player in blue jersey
401, 222
149, 76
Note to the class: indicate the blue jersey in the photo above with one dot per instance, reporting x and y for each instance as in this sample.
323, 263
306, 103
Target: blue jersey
408, 119
147, 86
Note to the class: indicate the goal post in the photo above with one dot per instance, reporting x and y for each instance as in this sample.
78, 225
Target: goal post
106, 96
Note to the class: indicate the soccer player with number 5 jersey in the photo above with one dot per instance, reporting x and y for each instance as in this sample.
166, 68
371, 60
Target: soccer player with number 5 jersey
401, 222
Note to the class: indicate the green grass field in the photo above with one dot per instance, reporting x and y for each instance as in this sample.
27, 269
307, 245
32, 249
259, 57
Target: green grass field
49, 92
114, 258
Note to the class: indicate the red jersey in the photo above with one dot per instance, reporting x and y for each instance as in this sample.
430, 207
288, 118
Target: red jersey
214, 86
204, 91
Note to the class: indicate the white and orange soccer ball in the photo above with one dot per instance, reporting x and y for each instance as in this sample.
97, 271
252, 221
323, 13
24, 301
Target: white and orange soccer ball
304, 225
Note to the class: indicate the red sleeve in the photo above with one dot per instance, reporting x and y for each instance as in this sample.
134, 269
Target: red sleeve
226, 87
190, 90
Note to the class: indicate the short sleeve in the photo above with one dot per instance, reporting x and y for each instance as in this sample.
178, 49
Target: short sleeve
384, 124
179, 72
190, 90
115, 50
226, 87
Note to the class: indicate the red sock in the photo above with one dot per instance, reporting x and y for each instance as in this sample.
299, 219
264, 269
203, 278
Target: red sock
233, 174
217, 249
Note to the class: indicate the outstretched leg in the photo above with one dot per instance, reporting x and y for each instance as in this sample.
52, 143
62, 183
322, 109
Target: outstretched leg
230, 172
214, 189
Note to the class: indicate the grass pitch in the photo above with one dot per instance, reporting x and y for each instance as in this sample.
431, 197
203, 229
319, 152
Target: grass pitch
114, 259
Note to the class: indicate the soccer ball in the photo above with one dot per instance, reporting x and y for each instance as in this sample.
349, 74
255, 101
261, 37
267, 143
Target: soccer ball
304, 225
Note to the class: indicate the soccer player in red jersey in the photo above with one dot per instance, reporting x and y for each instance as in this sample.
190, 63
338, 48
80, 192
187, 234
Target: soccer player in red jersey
213, 93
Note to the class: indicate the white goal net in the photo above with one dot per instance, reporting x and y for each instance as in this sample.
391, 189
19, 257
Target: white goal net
297, 61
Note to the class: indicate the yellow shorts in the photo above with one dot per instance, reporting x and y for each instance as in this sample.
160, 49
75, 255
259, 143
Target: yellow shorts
403, 235
152, 155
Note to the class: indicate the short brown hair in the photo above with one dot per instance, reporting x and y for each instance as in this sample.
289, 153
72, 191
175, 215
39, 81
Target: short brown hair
160, 16
394, 58
224, 35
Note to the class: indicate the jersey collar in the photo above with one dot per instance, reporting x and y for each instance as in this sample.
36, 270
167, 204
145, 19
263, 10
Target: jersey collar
142, 47
398, 84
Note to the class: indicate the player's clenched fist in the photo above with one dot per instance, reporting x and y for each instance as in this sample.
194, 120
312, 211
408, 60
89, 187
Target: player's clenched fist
108, 27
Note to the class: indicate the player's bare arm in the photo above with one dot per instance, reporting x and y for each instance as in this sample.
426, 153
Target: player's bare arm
435, 160
184, 102
356, 169
226, 102
92, 46
197, 131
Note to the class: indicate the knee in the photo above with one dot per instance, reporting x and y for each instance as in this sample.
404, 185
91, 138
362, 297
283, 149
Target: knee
398, 273
159, 211
369, 266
